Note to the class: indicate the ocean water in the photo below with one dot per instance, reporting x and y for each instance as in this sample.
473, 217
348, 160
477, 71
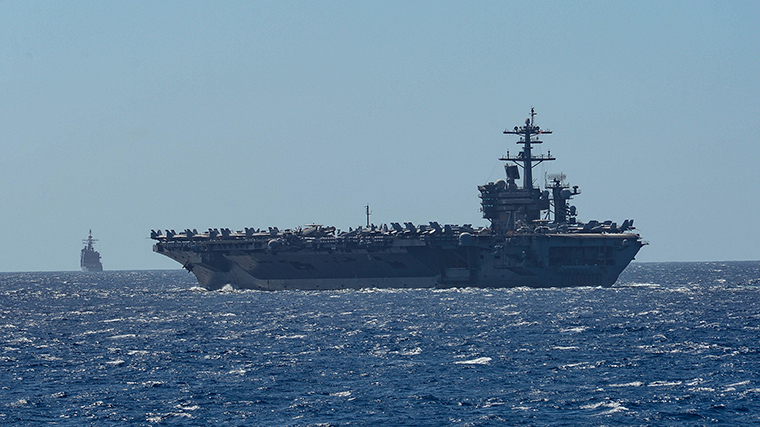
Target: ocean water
671, 344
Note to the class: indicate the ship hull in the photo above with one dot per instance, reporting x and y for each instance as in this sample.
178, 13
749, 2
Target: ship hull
530, 261
90, 260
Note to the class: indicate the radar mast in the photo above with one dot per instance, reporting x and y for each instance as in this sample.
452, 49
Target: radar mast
89, 242
526, 156
503, 203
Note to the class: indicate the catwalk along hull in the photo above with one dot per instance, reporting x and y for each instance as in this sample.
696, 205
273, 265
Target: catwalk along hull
521, 247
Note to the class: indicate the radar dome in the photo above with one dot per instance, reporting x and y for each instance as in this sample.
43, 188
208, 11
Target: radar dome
465, 239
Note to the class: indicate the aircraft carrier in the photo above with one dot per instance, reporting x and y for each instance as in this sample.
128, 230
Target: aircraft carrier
534, 239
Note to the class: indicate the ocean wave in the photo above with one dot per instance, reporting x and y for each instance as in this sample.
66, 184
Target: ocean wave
630, 384
614, 407
478, 361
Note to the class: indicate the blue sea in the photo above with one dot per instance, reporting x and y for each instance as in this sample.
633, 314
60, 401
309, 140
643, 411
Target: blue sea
672, 344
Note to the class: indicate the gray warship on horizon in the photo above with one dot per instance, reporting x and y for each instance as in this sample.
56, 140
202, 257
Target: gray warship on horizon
534, 240
90, 258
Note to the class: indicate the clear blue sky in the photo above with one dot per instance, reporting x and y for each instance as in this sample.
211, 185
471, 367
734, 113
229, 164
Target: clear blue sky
123, 116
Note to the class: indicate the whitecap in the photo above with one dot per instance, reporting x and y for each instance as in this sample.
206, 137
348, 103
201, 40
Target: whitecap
18, 403
574, 329
664, 383
153, 383
117, 337
695, 381
341, 394
580, 365
645, 313
525, 323
640, 285
291, 337
160, 418
614, 407
412, 352
94, 404
594, 405
49, 357
630, 384
85, 333
738, 384
478, 361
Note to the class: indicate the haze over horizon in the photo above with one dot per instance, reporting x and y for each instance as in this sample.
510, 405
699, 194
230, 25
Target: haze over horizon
122, 117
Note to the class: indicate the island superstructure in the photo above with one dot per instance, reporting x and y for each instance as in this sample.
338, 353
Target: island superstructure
534, 239
90, 258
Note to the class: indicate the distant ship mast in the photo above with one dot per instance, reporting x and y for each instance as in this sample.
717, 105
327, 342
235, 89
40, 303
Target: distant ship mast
89, 242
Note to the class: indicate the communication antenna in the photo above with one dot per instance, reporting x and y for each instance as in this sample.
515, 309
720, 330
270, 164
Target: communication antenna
369, 212
89, 241
528, 137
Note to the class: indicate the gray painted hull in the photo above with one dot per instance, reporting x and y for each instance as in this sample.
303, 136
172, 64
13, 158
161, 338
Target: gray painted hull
559, 260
